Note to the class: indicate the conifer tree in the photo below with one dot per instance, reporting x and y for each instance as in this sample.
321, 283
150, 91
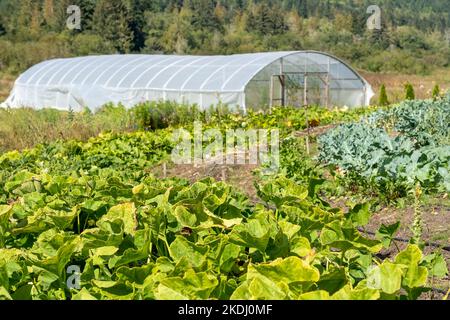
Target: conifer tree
112, 20
409, 92
436, 92
383, 96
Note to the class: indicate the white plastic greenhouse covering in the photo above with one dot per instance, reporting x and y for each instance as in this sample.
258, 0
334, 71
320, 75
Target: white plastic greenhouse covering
242, 80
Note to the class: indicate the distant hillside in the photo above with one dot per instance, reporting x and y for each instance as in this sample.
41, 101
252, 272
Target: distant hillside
414, 37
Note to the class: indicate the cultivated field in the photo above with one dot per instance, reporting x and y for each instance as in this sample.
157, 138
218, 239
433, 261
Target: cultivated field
357, 207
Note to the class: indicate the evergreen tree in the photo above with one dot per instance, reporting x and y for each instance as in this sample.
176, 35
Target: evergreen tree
383, 101
409, 92
436, 92
303, 8
175, 38
137, 10
203, 14
209, 27
112, 20
266, 20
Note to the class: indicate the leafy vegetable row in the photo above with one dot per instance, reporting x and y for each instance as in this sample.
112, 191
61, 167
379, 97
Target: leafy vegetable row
392, 151
168, 240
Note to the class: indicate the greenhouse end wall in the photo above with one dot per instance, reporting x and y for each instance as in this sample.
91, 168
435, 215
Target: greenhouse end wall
240, 81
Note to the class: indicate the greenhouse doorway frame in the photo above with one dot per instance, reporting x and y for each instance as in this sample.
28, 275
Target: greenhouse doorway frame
299, 89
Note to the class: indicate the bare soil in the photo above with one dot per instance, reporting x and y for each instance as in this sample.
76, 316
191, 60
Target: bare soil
239, 176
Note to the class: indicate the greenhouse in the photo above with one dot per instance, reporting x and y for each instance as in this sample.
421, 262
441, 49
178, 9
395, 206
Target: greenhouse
243, 81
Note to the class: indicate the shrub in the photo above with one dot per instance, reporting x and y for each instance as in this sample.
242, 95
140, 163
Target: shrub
383, 96
436, 92
409, 92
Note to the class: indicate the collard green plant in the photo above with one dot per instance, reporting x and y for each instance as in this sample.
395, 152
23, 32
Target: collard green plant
393, 150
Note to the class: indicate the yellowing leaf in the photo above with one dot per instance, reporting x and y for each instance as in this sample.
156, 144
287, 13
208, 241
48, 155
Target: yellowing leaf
126, 213
289, 270
415, 275
315, 295
182, 248
386, 277
347, 293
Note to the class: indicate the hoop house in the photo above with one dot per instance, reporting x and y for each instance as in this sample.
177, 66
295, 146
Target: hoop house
242, 80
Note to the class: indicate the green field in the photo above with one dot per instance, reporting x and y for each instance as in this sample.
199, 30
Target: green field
94, 218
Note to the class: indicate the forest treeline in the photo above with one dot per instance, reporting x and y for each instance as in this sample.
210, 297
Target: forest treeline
414, 36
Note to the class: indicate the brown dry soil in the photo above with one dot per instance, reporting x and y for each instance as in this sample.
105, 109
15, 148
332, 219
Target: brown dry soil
241, 177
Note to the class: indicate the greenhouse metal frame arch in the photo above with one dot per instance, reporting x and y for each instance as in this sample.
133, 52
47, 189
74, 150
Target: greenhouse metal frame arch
243, 81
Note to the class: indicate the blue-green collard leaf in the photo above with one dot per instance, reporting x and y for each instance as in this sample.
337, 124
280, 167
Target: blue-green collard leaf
124, 212
414, 276
182, 248
191, 286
